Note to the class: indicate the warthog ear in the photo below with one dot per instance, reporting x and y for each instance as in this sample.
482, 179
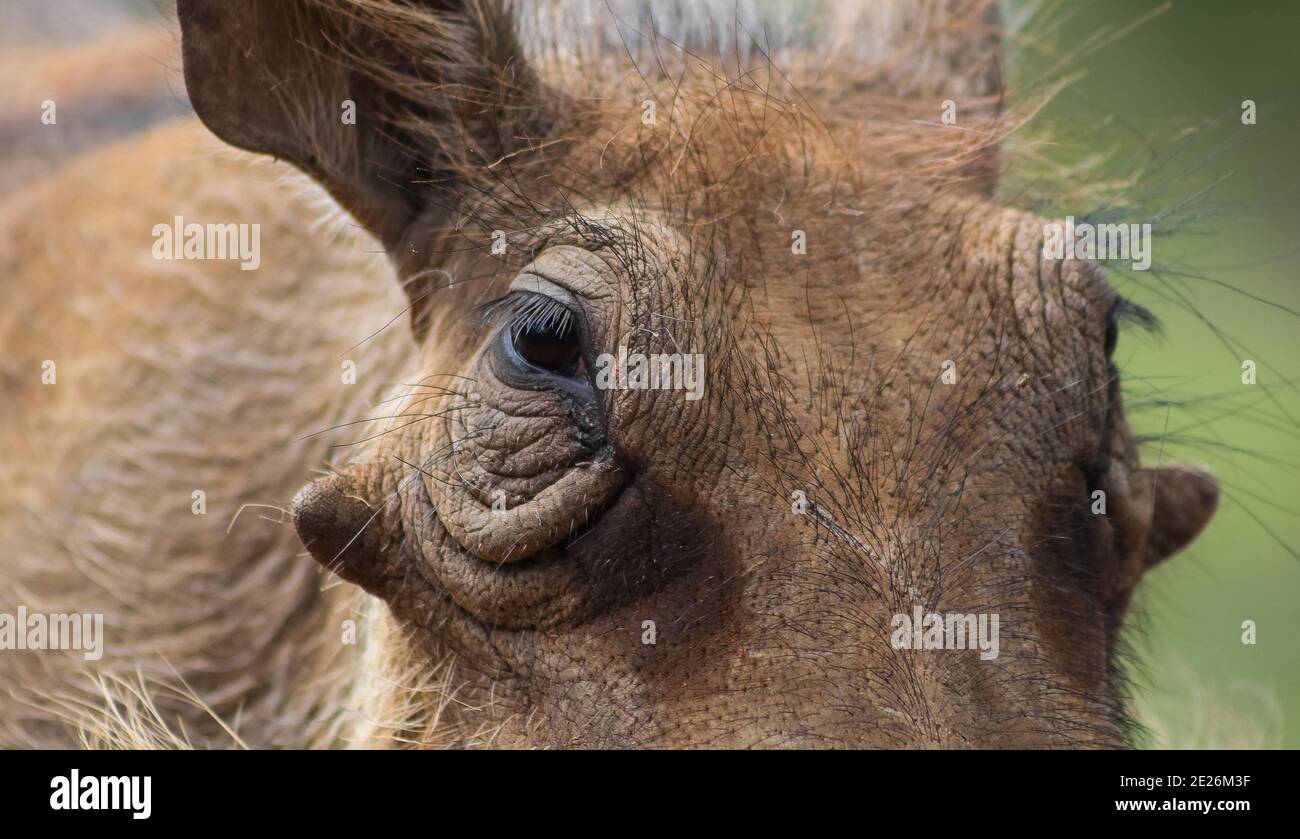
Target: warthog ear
1183, 502
387, 104
1157, 512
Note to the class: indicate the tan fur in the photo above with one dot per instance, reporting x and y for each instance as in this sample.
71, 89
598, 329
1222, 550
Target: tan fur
172, 378
99, 91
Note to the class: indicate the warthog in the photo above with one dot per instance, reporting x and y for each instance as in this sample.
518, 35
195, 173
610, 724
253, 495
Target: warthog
901, 418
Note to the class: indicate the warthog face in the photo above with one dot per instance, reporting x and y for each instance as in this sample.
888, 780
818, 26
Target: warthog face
872, 397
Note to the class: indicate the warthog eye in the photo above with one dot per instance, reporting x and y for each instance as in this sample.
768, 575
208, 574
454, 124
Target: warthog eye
551, 345
1112, 331
541, 338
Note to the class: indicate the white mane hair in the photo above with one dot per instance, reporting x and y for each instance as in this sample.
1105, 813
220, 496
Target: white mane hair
919, 47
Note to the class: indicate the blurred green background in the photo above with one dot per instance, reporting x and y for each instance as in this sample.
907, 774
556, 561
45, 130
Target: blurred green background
1149, 129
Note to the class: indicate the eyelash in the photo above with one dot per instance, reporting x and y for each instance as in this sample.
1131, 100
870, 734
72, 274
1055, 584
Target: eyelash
526, 310
1123, 311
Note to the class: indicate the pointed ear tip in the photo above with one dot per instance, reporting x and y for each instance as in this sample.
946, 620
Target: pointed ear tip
1200, 481
1186, 498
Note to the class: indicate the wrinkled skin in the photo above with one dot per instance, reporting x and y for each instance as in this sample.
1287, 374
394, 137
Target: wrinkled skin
823, 377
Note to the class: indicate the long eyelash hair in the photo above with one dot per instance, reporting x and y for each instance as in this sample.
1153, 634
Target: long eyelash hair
529, 311
1126, 312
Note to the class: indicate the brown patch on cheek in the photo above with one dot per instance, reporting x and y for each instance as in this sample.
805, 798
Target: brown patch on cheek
1074, 624
656, 559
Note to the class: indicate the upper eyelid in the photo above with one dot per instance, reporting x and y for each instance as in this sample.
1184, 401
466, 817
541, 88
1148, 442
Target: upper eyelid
535, 282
